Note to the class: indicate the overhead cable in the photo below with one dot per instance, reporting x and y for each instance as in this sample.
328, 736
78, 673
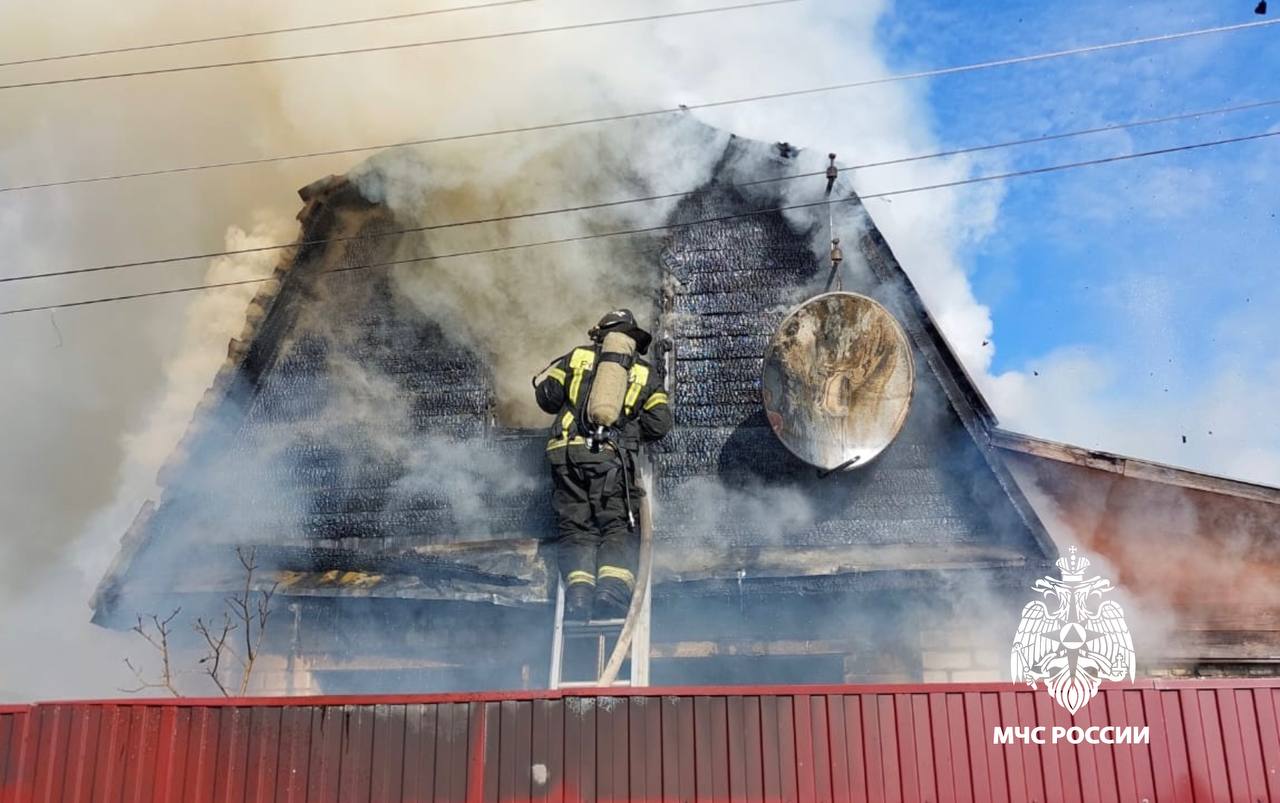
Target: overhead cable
670, 226
640, 199
611, 118
351, 51
251, 34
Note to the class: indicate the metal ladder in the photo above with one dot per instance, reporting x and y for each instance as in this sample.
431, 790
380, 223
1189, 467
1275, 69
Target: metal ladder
605, 634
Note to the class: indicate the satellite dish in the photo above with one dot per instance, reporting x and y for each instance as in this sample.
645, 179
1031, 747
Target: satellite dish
837, 380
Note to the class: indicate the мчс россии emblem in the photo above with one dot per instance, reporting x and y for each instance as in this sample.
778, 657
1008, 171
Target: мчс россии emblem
1073, 639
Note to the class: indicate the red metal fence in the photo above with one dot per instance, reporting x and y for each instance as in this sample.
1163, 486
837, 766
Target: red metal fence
1209, 741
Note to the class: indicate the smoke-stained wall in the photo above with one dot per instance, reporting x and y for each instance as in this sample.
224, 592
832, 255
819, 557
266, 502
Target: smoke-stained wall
368, 430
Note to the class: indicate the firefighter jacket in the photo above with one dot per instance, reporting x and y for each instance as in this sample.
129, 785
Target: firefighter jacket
563, 392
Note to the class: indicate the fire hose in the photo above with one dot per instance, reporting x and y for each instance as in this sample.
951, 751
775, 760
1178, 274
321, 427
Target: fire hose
627, 633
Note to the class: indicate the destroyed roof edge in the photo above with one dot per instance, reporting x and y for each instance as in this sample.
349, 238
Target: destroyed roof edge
961, 391
257, 312
1133, 467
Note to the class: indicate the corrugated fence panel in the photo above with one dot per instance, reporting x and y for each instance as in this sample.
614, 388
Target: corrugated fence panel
1209, 741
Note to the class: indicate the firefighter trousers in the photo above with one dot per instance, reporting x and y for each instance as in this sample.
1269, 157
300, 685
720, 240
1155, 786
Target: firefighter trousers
596, 545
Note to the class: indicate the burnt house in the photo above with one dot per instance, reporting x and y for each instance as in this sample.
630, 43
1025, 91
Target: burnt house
361, 449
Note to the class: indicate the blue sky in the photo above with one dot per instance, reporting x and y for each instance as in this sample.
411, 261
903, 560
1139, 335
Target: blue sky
1163, 269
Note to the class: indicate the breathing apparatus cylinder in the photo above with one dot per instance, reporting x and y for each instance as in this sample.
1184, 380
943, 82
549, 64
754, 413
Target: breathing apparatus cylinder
609, 387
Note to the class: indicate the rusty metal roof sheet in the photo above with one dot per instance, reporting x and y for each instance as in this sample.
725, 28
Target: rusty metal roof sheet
1209, 741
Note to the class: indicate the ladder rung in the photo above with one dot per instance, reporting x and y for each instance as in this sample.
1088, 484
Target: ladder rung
595, 626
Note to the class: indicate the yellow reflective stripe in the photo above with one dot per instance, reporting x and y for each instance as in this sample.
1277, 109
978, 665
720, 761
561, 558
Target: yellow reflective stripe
618, 573
557, 374
581, 577
580, 361
639, 376
657, 398
560, 443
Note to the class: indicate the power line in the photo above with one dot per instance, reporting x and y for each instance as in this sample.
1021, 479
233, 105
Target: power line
250, 34
612, 118
578, 26
674, 226
645, 198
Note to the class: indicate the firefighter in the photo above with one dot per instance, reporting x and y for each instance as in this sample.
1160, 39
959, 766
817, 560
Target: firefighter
607, 401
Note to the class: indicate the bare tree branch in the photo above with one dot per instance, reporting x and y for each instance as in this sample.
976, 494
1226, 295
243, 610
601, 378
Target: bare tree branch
247, 611
250, 609
160, 642
212, 662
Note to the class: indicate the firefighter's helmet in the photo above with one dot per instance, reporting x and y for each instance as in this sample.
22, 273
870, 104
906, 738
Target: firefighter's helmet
624, 321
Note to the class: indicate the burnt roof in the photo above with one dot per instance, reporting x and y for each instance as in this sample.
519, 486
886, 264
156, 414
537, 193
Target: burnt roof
323, 498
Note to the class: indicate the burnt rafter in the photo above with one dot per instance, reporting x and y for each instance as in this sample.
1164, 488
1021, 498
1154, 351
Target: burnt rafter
352, 493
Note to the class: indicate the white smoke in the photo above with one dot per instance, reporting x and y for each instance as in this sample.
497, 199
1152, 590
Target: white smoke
95, 395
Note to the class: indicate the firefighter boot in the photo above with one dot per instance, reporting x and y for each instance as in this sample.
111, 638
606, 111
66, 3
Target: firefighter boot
579, 599
613, 597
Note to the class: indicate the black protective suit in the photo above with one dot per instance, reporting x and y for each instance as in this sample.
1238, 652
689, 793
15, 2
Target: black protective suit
596, 544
